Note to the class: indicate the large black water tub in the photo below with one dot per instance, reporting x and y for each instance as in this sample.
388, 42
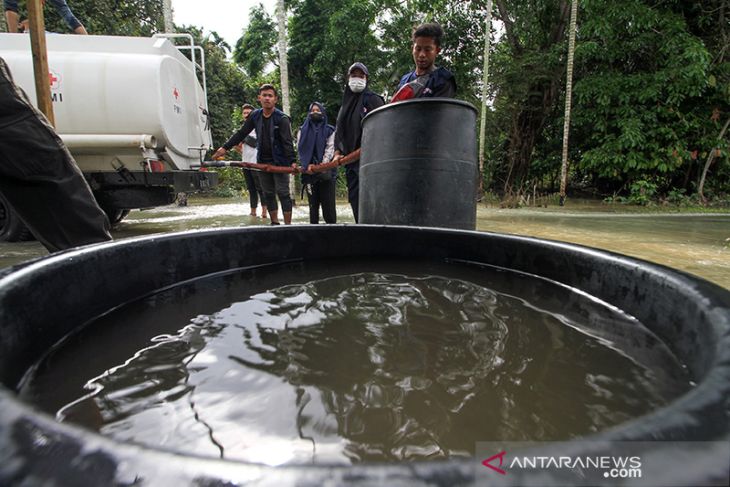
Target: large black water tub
42, 302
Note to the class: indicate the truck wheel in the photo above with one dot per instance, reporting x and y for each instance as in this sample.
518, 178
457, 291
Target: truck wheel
12, 228
115, 215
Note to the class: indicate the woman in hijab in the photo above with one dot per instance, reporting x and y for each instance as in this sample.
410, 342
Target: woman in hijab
315, 145
357, 101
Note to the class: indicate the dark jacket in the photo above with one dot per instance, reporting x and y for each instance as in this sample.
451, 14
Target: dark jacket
314, 138
348, 135
282, 145
441, 84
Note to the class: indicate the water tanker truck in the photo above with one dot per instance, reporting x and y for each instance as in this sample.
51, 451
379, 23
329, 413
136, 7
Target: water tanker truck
133, 112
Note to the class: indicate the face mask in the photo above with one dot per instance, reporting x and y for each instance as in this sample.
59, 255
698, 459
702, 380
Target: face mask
316, 117
357, 85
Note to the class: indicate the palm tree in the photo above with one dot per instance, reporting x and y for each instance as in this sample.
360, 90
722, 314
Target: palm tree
568, 100
283, 66
167, 15
218, 41
483, 126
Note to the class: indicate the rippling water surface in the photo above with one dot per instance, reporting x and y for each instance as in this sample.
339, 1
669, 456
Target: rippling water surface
342, 362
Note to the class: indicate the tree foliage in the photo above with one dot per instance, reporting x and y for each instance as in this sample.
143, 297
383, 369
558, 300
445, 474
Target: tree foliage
255, 49
325, 39
225, 82
651, 79
642, 74
119, 17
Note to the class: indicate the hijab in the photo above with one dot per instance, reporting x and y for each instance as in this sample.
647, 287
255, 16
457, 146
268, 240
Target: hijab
349, 120
313, 137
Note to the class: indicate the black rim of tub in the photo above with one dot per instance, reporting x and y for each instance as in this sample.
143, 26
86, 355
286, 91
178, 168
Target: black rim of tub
690, 314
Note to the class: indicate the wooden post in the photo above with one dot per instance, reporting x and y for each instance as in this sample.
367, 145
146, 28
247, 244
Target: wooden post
40, 59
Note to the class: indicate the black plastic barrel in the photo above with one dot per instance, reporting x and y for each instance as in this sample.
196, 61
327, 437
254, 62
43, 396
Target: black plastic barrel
419, 164
44, 301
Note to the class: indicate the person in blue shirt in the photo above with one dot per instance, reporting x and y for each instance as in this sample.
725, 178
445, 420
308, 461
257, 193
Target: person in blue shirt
433, 81
316, 144
12, 16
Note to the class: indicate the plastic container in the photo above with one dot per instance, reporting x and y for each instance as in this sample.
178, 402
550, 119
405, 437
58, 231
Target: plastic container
419, 164
45, 300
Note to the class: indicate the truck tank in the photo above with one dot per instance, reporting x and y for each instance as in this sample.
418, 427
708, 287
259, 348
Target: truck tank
131, 110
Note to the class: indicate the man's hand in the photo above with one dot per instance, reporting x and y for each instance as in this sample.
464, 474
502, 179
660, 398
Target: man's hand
219, 153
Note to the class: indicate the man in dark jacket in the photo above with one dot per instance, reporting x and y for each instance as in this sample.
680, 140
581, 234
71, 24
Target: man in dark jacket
274, 145
357, 101
431, 80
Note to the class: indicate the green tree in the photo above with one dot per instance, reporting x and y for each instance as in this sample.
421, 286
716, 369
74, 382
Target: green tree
255, 49
121, 17
325, 38
640, 75
651, 92
708, 20
529, 69
226, 83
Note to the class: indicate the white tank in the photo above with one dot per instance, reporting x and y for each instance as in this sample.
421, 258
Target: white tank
119, 99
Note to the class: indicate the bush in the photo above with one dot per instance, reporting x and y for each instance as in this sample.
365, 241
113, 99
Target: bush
679, 198
231, 182
642, 192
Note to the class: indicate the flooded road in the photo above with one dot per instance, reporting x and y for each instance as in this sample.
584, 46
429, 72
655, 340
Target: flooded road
695, 243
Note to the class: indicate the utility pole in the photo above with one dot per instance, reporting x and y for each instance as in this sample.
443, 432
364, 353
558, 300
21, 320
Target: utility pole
483, 127
40, 59
568, 102
167, 15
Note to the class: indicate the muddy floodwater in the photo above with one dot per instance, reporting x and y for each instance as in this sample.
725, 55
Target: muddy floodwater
344, 362
695, 243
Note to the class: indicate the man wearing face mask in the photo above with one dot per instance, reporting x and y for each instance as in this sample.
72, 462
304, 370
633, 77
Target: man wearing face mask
427, 80
357, 101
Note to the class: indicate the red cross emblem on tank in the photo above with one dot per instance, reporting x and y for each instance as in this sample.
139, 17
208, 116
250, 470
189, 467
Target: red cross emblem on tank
176, 93
54, 80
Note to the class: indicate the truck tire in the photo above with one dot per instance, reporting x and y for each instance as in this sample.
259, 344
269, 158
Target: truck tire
115, 215
12, 228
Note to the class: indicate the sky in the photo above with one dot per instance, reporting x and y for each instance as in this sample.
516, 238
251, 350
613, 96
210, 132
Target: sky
227, 17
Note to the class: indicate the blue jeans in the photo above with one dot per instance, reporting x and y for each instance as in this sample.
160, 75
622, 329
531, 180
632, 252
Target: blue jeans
61, 6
